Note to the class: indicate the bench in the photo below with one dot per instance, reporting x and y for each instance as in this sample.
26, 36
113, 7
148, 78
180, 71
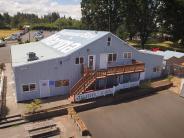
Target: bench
42, 129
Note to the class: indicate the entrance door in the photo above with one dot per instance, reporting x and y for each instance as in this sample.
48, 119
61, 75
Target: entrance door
103, 61
44, 88
91, 62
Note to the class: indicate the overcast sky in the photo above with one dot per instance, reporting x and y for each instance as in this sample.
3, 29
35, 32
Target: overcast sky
41, 7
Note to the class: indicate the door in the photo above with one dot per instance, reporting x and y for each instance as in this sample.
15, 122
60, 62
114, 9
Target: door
91, 62
44, 88
103, 61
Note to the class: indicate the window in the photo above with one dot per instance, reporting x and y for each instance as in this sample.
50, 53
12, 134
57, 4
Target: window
25, 88
58, 83
109, 41
32, 87
61, 83
156, 69
112, 57
65, 82
127, 55
29, 88
79, 60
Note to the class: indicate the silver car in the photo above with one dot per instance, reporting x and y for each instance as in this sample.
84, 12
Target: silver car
38, 37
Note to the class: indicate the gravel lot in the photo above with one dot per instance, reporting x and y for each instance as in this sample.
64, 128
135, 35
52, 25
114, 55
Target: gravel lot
157, 116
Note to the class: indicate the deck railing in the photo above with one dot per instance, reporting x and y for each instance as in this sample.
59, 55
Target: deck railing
91, 76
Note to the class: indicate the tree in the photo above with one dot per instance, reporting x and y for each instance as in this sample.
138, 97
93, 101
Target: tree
171, 18
102, 14
140, 17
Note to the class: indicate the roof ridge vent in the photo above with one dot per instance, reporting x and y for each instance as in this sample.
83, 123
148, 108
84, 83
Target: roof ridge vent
32, 56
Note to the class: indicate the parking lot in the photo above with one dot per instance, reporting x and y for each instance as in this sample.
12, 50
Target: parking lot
5, 56
156, 116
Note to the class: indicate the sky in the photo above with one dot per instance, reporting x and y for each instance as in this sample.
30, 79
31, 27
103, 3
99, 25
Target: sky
40, 7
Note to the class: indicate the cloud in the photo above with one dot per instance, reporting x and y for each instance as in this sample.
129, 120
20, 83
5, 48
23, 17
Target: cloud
41, 7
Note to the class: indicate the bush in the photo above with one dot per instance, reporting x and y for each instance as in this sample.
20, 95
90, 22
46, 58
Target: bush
169, 78
146, 85
34, 106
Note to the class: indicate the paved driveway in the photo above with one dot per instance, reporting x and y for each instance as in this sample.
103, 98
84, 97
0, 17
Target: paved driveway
5, 54
157, 116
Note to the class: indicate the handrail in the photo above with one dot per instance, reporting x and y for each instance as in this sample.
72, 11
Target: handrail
91, 76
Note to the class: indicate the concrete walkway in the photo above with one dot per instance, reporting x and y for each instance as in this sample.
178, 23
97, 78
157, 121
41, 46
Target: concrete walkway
12, 107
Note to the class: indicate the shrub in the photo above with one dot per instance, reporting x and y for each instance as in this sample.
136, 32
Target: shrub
34, 105
169, 78
146, 84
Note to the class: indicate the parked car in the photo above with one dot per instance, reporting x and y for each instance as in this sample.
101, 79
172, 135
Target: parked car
38, 37
2, 43
12, 37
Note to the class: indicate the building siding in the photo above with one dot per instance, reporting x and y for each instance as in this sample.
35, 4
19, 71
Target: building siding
68, 70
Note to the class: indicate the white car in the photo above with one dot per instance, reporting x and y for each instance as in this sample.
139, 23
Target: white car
2, 43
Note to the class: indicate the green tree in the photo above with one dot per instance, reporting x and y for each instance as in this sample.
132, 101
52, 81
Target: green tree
171, 18
102, 14
141, 17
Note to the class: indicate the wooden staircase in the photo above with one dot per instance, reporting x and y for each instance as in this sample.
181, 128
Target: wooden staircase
91, 76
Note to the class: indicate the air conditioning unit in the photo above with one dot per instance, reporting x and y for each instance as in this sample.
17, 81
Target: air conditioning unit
32, 56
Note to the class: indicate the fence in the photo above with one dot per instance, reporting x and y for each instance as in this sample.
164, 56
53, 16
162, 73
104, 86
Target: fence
105, 92
1, 89
1, 83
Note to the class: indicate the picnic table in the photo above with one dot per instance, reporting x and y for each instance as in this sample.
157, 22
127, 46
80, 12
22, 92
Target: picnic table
43, 129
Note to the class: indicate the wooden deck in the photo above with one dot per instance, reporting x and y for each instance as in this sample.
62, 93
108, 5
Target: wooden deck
91, 76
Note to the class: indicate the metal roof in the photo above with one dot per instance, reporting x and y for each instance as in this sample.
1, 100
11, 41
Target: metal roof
166, 54
58, 45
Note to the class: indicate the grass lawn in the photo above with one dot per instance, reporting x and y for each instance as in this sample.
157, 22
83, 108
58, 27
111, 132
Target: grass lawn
165, 45
4, 33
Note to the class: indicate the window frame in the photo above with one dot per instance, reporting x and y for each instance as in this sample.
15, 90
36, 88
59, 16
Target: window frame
127, 55
30, 88
156, 69
23, 89
79, 60
112, 57
109, 39
61, 83
56, 83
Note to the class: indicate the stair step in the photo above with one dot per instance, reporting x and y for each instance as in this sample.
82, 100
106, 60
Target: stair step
14, 123
9, 120
11, 116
